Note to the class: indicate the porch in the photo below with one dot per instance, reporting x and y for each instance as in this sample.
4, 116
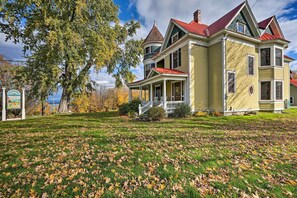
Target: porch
166, 93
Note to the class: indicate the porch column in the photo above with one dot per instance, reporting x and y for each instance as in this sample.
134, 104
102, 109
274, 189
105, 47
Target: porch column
151, 94
3, 104
140, 93
130, 94
185, 90
164, 94
23, 105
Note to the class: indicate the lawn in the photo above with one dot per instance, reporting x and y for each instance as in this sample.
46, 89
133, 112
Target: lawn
102, 154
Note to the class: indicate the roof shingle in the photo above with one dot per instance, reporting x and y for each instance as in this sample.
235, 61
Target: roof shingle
154, 36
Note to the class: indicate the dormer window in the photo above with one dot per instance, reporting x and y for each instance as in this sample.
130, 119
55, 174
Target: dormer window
147, 50
174, 38
240, 27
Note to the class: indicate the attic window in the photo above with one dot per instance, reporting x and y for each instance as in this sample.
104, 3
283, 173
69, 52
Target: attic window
174, 38
240, 27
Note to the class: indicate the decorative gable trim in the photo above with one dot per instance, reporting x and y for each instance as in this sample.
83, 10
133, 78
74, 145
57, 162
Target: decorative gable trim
168, 33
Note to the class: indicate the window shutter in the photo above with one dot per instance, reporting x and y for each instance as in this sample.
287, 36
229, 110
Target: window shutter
170, 57
179, 57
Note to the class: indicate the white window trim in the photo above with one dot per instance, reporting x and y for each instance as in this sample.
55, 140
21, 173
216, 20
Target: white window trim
244, 27
274, 56
234, 82
172, 64
271, 91
174, 35
253, 90
275, 90
271, 57
248, 71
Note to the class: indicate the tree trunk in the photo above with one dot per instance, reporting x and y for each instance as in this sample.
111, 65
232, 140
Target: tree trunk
64, 102
42, 108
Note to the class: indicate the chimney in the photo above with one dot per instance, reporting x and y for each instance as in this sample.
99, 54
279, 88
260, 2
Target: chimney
197, 16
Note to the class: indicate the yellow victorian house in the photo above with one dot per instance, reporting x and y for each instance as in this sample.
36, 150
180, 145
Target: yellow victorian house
232, 66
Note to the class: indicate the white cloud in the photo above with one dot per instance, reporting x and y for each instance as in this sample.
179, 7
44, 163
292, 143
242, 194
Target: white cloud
294, 66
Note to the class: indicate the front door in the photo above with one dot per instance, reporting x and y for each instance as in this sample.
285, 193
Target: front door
158, 92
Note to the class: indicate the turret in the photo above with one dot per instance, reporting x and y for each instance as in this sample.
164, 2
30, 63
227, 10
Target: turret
151, 46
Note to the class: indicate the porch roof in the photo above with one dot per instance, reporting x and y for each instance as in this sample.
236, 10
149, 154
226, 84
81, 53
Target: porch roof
162, 74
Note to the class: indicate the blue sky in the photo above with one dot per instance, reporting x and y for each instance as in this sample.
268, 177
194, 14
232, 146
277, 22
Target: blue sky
148, 11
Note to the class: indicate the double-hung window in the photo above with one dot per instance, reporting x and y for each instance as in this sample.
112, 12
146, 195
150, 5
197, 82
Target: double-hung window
278, 57
175, 59
231, 82
174, 38
266, 90
251, 65
278, 90
265, 57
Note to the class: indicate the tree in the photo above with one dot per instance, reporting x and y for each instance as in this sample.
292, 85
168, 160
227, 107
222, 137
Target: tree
72, 36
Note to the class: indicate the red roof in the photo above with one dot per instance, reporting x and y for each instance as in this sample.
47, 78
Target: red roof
168, 71
193, 27
288, 57
293, 82
267, 37
263, 24
223, 22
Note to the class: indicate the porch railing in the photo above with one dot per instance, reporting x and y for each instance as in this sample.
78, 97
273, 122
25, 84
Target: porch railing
144, 107
171, 105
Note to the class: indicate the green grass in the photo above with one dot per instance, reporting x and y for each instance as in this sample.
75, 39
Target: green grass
102, 154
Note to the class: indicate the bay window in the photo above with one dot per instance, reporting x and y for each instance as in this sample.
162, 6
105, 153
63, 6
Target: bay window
278, 57
265, 57
278, 90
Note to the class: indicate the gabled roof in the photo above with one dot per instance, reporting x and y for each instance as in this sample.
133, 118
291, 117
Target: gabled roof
223, 21
293, 82
263, 24
154, 36
192, 27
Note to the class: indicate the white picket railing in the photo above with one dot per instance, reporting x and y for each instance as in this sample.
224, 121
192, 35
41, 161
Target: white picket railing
143, 108
171, 105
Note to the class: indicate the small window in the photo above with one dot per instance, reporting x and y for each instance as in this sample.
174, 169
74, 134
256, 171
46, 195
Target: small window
279, 90
265, 57
251, 65
292, 100
231, 82
251, 90
174, 38
240, 27
266, 90
278, 57
147, 50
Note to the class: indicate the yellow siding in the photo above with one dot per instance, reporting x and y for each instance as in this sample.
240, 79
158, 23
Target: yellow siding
279, 105
215, 77
266, 106
167, 62
237, 60
278, 74
293, 93
287, 82
199, 64
266, 73
184, 60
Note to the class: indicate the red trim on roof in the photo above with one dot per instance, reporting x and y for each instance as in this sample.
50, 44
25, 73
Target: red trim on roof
263, 24
288, 57
293, 82
192, 27
223, 21
168, 71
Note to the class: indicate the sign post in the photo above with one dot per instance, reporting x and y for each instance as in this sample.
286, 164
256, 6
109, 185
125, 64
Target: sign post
23, 105
3, 104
